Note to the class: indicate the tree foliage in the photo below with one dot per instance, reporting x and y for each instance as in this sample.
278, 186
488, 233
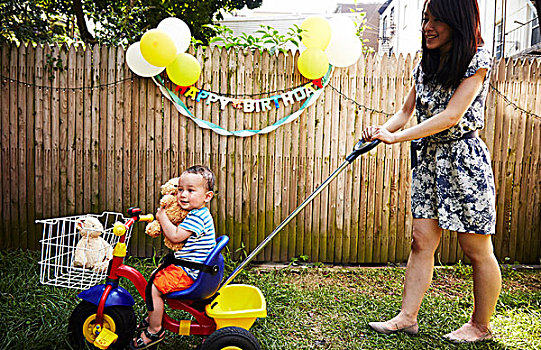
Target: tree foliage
106, 21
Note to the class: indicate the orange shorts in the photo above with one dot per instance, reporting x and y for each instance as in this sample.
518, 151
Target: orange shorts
172, 279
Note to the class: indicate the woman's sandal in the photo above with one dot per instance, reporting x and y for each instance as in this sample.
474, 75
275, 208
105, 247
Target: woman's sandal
155, 338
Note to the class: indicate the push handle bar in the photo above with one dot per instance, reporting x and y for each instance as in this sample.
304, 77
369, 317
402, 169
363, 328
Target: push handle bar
360, 148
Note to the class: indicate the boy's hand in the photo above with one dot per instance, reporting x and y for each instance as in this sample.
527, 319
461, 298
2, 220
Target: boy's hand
161, 215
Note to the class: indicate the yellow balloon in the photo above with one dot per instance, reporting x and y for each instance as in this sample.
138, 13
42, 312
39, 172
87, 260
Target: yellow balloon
316, 32
158, 48
313, 63
184, 70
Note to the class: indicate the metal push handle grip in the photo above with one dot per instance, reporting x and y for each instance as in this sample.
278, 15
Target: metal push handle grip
361, 147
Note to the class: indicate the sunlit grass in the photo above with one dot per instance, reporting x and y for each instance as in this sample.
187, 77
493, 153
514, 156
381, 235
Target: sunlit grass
310, 308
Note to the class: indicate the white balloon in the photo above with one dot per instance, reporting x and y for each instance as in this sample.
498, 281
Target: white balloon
179, 32
345, 50
343, 25
138, 64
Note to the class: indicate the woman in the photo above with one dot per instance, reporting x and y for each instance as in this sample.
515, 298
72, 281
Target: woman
452, 183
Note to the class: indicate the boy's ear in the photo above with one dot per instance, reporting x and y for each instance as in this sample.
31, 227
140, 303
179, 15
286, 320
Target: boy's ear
208, 196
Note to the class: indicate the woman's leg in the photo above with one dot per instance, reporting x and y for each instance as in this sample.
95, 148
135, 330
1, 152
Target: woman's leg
426, 238
487, 284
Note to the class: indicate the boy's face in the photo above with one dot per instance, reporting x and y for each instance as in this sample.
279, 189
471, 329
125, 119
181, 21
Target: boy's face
192, 191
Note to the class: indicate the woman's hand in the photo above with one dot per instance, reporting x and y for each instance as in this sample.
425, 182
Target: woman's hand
372, 133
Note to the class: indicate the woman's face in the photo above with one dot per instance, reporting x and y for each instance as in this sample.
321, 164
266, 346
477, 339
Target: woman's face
438, 34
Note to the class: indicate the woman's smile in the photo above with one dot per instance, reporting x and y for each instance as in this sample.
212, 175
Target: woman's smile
438, 34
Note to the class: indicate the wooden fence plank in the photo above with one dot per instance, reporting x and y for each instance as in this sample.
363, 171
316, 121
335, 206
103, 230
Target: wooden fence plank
242, 192
87, 95
267, 80
387, 92
95, 129
33, 236
20, 142
249, 223
277, 151
78, 116
517, 209
222, 84
394, 99
72, 133
317, 161
236, 160
293, 171
38, 132
307, 186
351, 135
534, 184
357, 233
287, 166
6, 144
119, 130
325, 250
13, 194
58, 129
102, 80
336, 199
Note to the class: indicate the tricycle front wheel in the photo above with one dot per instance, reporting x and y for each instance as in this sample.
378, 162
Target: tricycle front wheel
231, 338
118, 319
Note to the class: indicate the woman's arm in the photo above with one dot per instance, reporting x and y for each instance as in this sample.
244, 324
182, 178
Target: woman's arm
174, 233
457, 106
397, 121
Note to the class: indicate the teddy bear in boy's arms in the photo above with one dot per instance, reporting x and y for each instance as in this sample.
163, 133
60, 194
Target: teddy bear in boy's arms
174, 212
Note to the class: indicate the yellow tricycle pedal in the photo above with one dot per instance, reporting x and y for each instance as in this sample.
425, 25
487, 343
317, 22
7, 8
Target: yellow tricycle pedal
105, 339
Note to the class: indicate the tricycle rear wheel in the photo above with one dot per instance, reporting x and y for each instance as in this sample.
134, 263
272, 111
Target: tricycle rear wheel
229, 338
119, 319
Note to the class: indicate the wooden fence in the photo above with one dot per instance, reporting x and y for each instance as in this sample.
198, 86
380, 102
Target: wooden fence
89, 137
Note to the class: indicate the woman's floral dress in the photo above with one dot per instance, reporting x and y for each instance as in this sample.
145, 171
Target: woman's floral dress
453, 180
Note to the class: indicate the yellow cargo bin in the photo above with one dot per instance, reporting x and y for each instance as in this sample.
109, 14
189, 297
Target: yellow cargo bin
237, 305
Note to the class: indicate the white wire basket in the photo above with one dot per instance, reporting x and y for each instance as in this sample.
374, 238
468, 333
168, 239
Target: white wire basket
75, 250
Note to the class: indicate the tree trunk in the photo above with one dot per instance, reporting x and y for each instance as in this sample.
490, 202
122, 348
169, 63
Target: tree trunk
81, 23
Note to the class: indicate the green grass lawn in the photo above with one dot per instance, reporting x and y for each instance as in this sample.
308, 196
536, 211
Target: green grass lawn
308, 308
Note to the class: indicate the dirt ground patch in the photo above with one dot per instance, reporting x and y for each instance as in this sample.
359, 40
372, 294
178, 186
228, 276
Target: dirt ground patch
447, 282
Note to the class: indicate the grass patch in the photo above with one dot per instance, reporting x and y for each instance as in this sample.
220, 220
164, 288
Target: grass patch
312, 308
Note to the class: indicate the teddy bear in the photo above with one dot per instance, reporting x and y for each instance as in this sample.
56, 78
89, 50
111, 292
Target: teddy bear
92, 251
173, 210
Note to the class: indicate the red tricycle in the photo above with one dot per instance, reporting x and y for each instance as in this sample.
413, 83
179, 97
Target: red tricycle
105, 317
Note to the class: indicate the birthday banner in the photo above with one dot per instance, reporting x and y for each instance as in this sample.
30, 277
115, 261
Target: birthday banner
308, 92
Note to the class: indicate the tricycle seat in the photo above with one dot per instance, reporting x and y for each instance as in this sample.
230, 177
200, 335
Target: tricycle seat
206, 283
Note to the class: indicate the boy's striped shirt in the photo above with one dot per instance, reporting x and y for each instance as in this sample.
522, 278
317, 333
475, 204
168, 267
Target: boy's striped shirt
201, 242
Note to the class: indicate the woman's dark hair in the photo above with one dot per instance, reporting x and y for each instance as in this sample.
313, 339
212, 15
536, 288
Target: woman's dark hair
463, 18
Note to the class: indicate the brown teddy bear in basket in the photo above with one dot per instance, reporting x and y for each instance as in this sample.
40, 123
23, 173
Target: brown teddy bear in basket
174, 212
92, 251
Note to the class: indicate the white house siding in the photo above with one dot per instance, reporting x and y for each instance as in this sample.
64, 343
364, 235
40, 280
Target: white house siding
518, 18
406, 38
